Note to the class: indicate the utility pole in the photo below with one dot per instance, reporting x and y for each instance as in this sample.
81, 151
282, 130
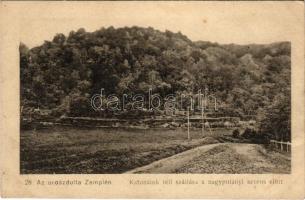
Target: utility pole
203, 104
202, 115
188, 124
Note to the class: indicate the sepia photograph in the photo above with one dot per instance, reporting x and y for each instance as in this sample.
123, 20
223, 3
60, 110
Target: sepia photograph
136, 99
165, 99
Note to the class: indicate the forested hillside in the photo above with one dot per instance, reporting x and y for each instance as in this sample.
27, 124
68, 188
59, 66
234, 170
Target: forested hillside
61, 75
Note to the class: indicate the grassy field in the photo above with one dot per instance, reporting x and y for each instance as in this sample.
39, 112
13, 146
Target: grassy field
73, 150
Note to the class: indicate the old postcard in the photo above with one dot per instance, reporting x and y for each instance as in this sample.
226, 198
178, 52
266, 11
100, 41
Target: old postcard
165, 99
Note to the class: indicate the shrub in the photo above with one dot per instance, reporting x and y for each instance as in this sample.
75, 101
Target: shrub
236, 133
256, 137
249, 133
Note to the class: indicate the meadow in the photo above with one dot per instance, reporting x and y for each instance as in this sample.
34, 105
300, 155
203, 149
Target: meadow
63, 150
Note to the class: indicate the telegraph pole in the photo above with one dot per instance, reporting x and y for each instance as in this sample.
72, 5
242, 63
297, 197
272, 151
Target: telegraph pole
203, 104
188, 124
202, 115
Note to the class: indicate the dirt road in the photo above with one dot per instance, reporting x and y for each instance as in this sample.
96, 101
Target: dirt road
221, 158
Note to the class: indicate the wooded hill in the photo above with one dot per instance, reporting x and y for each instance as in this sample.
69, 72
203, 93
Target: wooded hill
61, 75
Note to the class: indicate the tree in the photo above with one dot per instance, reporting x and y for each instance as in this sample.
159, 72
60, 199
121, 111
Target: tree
276, 121
245, 79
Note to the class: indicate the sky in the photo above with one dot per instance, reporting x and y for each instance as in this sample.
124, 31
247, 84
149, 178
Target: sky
222, 22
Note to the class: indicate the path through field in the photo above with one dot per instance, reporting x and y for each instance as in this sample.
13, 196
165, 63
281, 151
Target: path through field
221, 158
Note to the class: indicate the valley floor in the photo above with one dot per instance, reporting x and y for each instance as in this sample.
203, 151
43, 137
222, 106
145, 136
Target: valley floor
68, 150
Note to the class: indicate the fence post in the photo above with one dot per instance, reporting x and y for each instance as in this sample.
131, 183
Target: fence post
280, 145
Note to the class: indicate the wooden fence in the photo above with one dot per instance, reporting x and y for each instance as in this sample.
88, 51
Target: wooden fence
283, 146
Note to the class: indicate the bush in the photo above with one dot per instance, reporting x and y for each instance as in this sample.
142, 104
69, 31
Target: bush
256, 137
249, 133
236, 133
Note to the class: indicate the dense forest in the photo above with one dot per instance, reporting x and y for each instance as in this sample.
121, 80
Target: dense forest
248, 80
